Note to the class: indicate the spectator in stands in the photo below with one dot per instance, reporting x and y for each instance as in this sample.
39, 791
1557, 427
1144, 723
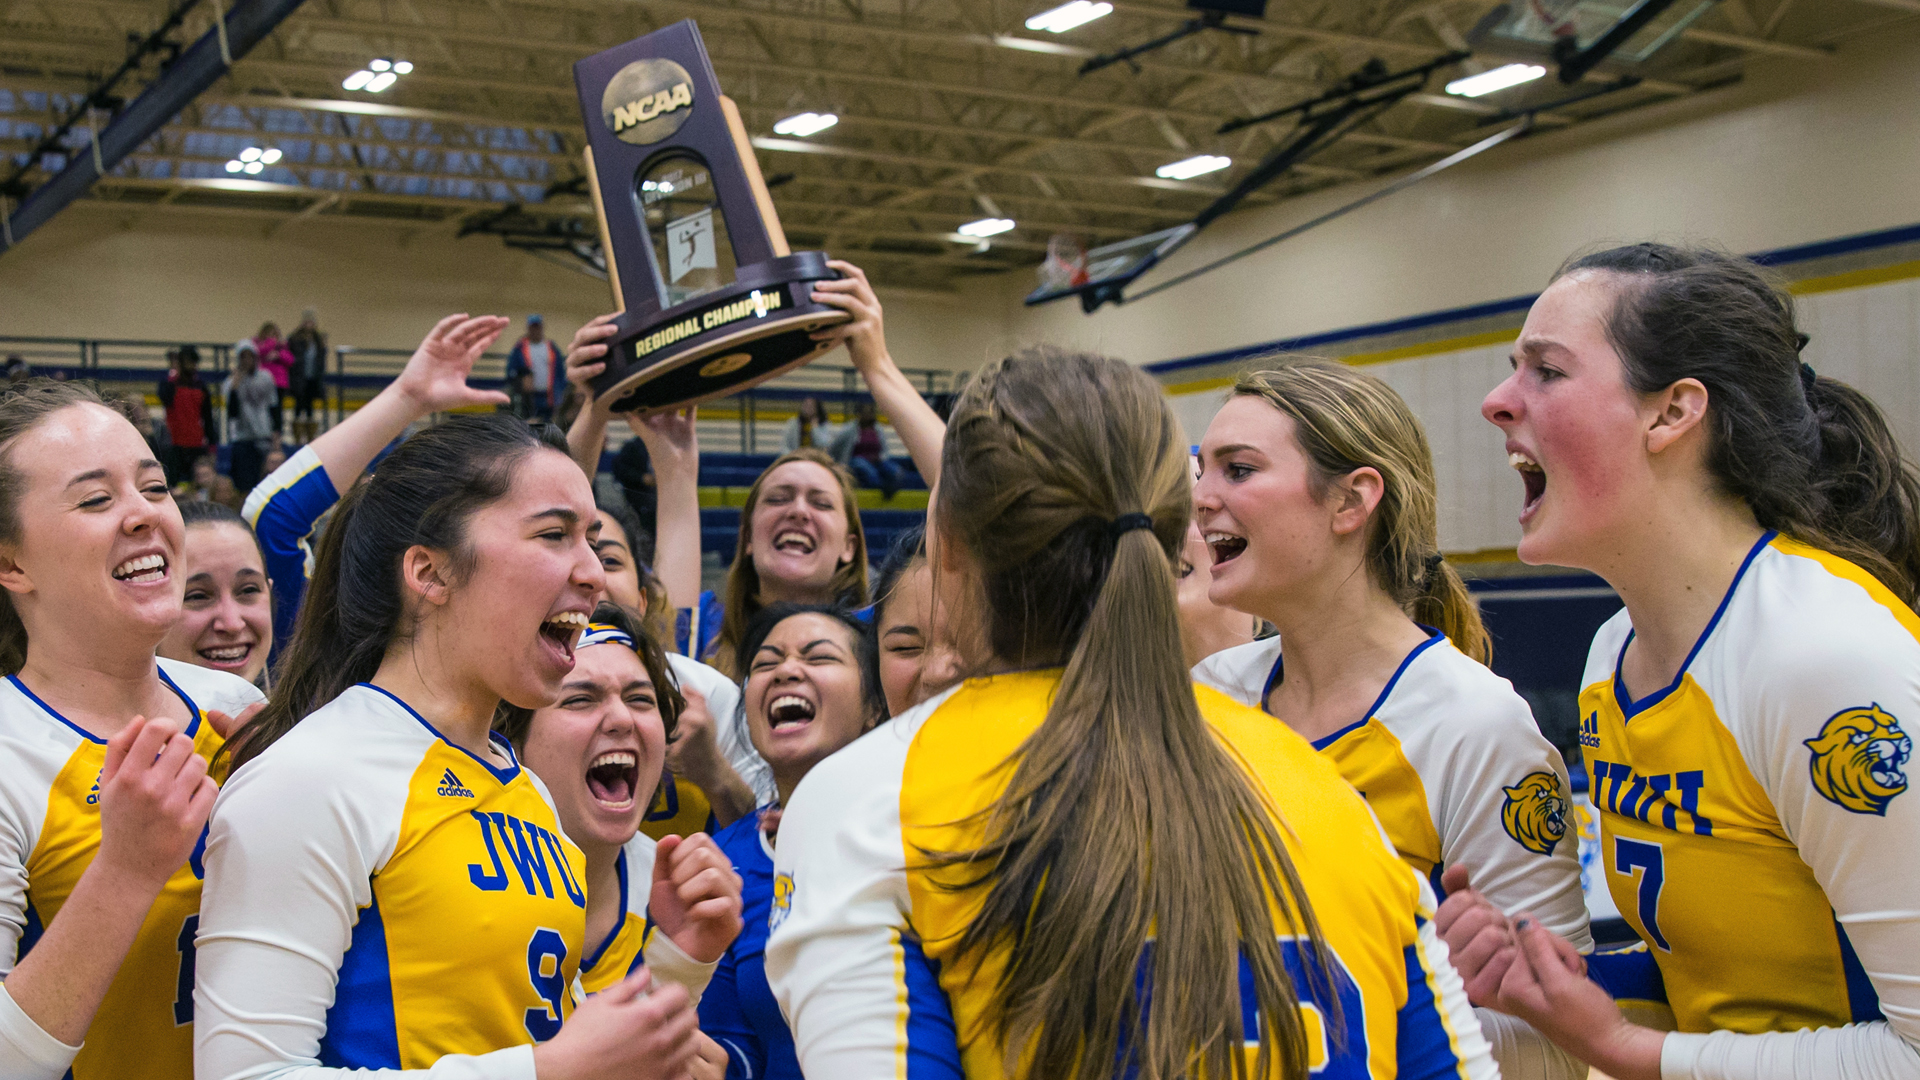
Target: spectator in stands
534, 371
206, 483
809, 428
633, 471
274, 355
253, 416
868, 457
276, 457
283, 510
17, 370
189, 409
306, 380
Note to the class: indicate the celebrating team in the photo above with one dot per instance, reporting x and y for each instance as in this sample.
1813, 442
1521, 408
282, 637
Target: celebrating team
990, 825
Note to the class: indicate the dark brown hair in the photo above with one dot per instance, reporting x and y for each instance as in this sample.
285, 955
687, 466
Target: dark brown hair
22, 409
514, 722
848, 587
1812, 456
423, 494
1122, 805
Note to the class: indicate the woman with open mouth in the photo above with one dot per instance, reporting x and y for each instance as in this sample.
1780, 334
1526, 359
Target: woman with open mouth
800, 535
1744, 717
104, 751
1077, 864
226, 620
599, 750
1318, 500
713, 776
812, 687
387, 886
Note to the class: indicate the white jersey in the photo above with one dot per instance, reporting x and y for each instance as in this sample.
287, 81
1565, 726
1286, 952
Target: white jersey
1451, 761
1755, 824
49, 834
380, 898
729, 723
863, 959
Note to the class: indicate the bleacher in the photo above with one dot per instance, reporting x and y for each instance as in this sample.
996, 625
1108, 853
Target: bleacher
739, 436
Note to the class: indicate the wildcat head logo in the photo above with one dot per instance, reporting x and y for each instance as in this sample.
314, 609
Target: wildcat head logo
1858, 758
1536, 813
782, 901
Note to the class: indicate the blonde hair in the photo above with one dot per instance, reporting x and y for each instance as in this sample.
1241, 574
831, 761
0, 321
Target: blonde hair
1122, 806
848, 587
1344, 420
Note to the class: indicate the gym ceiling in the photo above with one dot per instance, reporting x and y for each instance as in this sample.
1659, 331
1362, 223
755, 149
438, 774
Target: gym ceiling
949, 111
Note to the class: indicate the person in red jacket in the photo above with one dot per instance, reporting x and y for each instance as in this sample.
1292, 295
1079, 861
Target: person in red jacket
189, 406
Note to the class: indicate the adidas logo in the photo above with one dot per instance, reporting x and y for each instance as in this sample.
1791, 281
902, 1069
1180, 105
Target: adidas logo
451, 786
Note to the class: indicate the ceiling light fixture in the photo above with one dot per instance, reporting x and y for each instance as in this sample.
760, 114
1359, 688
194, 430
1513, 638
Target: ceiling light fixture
268, 157
251, 153
1067, 16
377, 75
985, 227
1499, 78
805, 124
236, 165
1192, 167
254, 168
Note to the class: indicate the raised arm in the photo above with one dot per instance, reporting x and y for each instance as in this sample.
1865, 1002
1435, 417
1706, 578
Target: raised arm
918, 426
674, 445
588, 435
434, 380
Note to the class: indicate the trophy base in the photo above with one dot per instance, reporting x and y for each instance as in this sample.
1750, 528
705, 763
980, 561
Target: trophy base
722, 342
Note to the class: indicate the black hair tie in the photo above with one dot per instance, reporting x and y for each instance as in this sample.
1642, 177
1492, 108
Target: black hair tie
1800, 342
1126, 523
1433, 562
1807, 377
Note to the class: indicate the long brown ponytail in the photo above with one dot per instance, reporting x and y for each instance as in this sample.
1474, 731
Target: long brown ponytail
1345, 419
1130, 859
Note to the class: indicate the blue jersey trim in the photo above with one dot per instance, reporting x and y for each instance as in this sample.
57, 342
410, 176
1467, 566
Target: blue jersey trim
1630, 708
361, 1030
619, 924
503, 775
1425, 1047
1862, 998
193, 724
1434, 637
29, 934
1630, 974
933, 1043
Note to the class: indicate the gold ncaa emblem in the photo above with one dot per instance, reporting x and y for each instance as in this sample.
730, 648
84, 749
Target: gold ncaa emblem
647, 101
725, 365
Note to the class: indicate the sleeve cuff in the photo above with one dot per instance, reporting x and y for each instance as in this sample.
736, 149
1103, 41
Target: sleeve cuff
666, 960
25, 1043
1680, 1055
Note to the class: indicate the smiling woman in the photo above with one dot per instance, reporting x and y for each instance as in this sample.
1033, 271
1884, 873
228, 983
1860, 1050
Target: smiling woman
103, 752
341, 872
226, 622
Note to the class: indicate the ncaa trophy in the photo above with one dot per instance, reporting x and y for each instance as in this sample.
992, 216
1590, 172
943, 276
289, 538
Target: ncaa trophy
710, 299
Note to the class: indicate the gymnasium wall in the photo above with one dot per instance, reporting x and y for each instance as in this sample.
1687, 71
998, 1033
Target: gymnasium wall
105, 272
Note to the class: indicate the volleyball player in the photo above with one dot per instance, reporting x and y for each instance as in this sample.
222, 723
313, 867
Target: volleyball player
800, 535
1077, 865
387, 887
917, 660
599, 750
812, 687
1744, 716
226, 620
1318, 501
284, 508
103, 750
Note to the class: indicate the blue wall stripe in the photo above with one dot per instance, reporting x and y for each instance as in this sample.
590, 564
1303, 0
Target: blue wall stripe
1778, 257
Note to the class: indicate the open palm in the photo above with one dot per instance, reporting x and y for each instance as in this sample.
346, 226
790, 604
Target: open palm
436, 375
